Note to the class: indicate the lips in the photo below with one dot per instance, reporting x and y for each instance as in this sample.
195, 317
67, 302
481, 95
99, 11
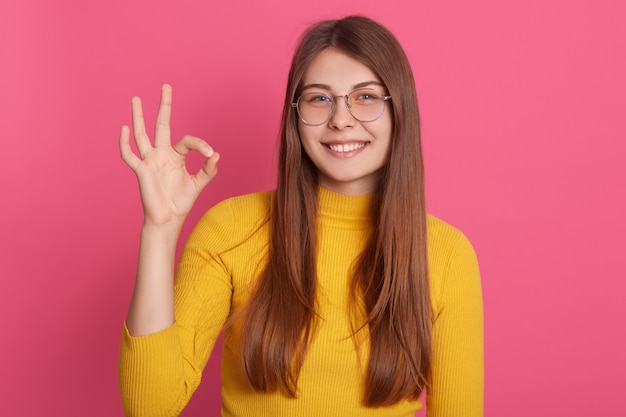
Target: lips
345, 147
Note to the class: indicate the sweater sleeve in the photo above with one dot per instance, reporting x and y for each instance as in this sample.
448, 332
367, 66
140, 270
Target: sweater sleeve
158, 373
458, 358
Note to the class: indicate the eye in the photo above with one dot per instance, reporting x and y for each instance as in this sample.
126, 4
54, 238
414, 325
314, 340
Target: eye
365, 97
316, 98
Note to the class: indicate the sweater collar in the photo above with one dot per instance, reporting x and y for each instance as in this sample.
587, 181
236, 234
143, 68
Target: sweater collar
345, 211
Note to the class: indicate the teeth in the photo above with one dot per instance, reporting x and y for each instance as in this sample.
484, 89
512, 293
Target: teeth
346, 147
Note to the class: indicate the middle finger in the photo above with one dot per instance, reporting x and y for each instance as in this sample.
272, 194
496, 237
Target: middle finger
162, 134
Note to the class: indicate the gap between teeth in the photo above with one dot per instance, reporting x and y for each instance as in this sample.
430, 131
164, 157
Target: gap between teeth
347, 147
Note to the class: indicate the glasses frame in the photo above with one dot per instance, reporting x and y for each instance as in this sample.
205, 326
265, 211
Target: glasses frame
332, 99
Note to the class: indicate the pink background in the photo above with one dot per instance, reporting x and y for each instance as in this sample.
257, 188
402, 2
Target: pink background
523, 106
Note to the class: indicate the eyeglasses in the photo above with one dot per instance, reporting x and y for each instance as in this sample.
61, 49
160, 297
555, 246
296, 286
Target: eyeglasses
364, 104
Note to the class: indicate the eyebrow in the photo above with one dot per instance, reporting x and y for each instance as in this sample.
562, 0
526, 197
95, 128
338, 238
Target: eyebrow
354, 87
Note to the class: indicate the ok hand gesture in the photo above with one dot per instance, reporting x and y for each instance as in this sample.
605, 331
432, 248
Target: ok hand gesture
168, 190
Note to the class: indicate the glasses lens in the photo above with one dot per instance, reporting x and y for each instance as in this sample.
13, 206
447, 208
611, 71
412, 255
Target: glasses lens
314, 108
366, 105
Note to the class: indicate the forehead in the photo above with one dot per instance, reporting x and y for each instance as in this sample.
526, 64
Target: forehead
337, 70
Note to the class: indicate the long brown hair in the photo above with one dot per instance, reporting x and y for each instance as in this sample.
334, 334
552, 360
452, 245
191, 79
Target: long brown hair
390, 287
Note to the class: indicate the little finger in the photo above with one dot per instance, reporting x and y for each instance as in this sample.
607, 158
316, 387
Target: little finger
125, 150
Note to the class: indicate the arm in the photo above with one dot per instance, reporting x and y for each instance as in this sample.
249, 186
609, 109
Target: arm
159, 372
151, 347
168, 192
458, 357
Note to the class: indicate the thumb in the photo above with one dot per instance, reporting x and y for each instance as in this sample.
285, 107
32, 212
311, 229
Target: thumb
208, 171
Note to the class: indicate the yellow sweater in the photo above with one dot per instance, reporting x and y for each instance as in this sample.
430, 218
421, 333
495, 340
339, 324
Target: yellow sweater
159, 372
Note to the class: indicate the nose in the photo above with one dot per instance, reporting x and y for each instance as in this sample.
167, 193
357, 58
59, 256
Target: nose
341, 117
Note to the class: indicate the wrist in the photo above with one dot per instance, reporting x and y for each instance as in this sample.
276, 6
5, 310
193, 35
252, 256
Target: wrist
170, 230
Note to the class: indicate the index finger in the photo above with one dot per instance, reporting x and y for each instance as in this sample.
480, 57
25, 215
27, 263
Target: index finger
162, 134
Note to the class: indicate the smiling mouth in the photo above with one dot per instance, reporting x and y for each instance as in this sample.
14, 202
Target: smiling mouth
346, 147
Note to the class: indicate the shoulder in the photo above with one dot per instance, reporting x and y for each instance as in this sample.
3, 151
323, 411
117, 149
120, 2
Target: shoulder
244, 206
452, 259
233, 220
445, 239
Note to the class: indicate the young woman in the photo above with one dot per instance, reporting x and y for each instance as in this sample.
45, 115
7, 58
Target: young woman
337, 293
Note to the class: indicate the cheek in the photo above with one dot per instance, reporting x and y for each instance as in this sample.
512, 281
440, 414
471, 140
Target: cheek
306, 144
385, 133
383, 130
307, 135
389, 129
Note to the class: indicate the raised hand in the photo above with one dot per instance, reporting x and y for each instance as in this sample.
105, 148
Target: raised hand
168, 190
